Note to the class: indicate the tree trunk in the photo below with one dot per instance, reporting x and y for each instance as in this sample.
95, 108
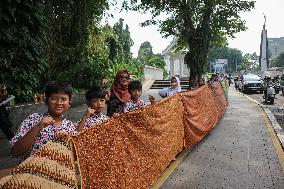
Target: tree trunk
196, 57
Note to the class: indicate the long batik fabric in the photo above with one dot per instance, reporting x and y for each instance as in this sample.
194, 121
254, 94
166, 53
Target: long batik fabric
132, 150
51, 167
129, 151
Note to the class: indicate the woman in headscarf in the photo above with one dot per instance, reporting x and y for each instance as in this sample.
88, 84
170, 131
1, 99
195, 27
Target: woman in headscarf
119, 95
174, 88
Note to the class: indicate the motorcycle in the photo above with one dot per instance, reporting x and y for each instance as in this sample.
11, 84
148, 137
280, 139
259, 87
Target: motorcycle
269, 94
277, 87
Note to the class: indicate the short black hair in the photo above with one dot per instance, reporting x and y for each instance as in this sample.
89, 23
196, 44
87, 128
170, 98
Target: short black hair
95, 92
134, 85
57, 87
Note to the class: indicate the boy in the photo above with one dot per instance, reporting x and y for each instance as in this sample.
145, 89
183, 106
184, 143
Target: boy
96, 100
135, 91
39, 128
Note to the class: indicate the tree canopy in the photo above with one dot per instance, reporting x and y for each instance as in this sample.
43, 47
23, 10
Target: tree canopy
147, 57
22, 46
197, 24
278, 61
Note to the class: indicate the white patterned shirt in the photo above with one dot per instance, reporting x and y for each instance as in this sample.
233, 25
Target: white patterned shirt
94, 120
45, 135
130, 105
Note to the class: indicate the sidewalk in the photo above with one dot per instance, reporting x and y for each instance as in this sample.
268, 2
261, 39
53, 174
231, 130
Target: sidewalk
238, 153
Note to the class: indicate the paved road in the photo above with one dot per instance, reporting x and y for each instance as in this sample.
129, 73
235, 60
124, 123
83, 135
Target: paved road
277, 108
74, 114
237, 153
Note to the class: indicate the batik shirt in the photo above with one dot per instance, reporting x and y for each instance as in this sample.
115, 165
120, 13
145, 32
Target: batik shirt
130, 105
45, 135
94, 120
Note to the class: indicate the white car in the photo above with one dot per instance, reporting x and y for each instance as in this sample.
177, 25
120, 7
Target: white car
250, 82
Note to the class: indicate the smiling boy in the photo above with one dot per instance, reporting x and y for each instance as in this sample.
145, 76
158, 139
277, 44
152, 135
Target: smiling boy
96, 100
39, 128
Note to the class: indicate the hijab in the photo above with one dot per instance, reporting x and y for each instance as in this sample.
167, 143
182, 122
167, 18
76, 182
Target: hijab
121, 92
171, 90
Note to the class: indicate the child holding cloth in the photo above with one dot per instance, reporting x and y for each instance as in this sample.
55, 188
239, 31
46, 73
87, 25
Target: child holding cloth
96, 99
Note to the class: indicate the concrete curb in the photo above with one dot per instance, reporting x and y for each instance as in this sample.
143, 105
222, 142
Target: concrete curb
277, 128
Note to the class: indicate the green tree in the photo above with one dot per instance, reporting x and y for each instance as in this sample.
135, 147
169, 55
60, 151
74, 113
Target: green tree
234, 56
278, 61
22, 46
197, 24
147, 57
145, 52
157, 60
249, 63
124, 41
68, 33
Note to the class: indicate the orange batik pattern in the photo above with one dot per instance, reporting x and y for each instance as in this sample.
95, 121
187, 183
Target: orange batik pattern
129, 151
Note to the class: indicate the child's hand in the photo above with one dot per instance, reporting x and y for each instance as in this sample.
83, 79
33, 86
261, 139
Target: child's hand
89, 112
152, 99
46, 120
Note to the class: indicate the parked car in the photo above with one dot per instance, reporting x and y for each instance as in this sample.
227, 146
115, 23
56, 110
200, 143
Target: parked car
250, 82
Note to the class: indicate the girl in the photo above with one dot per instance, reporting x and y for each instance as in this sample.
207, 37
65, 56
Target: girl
38, 129
174, 88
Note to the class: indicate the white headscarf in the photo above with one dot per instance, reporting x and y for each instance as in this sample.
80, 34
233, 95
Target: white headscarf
170, 91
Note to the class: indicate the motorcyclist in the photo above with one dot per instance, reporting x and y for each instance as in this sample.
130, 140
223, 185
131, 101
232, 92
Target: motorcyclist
236, 80
276, 81
276, 78
267, 82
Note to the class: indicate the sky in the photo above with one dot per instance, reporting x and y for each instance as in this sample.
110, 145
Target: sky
247, 41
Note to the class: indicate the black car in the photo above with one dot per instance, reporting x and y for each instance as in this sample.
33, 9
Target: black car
250, 82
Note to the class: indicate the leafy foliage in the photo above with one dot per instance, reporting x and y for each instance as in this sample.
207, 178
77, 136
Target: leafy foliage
278, 61
250, 62
234, 56
22, 46
197, 24
236, 60
124, 40
48, 40
69, 26
147, 57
